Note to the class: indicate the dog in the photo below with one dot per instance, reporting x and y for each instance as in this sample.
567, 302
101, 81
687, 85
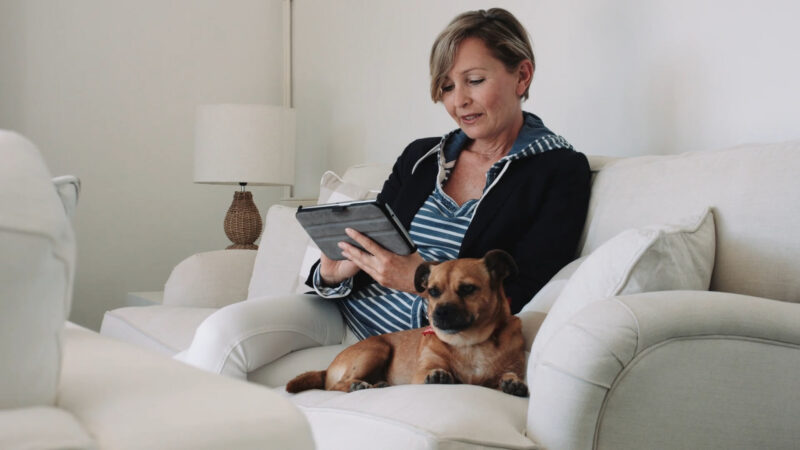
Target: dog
473, 338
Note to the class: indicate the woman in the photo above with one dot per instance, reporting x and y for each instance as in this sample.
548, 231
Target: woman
501, 180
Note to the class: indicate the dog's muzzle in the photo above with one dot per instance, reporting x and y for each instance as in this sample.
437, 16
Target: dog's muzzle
450, 319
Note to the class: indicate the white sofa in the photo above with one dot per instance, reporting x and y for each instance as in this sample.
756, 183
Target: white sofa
65, 387
665, 369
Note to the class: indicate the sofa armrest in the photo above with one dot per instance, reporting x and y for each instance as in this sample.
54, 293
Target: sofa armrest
210, 279
673, 369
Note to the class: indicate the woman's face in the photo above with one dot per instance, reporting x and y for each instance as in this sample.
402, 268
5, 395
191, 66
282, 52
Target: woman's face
481, 95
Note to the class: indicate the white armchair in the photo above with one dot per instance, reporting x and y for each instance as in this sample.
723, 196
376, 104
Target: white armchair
62, 386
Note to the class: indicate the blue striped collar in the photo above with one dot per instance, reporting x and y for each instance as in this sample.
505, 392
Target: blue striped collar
533, 138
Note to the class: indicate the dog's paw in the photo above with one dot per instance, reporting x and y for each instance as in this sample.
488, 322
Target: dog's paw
514, 386
439, 376
381, 384
359, 385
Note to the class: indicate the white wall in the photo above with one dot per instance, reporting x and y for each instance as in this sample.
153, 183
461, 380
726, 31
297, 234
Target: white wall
107, 90
615, 77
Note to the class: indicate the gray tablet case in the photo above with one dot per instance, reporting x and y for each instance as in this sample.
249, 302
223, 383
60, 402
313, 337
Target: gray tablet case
326, 223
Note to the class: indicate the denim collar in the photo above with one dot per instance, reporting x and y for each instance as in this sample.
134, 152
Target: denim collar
534, 137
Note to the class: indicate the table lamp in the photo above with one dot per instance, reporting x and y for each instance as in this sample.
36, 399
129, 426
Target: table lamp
244, 144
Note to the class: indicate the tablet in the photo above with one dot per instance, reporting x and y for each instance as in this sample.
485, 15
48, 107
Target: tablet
326, 223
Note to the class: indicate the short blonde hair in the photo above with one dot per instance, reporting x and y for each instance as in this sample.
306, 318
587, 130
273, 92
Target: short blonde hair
499, 30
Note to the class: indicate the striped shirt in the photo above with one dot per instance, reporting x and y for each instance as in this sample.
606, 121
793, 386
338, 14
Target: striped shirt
437, 229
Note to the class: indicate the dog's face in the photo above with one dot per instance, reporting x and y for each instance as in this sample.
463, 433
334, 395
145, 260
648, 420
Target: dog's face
464, 294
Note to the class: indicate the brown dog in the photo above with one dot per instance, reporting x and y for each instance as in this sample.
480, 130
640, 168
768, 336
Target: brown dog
473, 338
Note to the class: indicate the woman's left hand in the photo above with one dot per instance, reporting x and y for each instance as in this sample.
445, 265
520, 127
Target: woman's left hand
388, 269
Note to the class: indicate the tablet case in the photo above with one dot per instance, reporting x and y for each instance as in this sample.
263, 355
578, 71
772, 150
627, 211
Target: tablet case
326, 223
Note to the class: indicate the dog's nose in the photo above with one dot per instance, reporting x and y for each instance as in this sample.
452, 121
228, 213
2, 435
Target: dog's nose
446, 315
444, 312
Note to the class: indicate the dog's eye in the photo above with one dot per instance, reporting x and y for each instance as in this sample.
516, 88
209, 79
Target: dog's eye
434, 292
466, 289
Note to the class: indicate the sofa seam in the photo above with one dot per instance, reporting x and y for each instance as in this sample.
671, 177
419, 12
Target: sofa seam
596, 339
58, 256
622, 364
637, 350
573, 375
635, 318
40, 234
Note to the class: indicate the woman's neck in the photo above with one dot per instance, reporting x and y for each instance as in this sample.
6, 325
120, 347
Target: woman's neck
495, 148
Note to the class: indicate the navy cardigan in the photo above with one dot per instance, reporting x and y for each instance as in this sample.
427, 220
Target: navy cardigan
536, 212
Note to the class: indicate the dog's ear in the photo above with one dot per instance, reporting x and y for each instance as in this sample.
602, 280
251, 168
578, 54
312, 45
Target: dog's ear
500, 265
421, 276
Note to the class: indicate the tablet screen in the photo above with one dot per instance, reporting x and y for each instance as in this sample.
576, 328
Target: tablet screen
325, 224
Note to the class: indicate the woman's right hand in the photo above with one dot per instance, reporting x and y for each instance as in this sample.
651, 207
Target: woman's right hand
334, 272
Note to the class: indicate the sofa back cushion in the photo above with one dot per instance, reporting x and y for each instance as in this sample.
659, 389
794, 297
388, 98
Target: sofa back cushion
37, 263
752, 189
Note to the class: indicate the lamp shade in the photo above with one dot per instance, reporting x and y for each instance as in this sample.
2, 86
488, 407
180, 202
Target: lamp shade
251, 144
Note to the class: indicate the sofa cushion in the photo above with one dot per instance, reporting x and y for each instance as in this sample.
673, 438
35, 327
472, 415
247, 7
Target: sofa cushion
279, 255
753, 189
335, 189
416, 416
165, 329
37, 264
283, 369
42, 428
655, 258
131, 398
371, 175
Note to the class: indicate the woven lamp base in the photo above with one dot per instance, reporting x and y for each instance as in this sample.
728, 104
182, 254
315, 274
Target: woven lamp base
243, 222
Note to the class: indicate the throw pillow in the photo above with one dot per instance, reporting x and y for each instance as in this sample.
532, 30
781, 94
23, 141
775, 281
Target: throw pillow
280, 253
332, 189
654, 258
547, 295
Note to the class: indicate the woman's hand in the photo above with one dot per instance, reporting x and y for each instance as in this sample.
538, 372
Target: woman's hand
388, 269
334, 272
